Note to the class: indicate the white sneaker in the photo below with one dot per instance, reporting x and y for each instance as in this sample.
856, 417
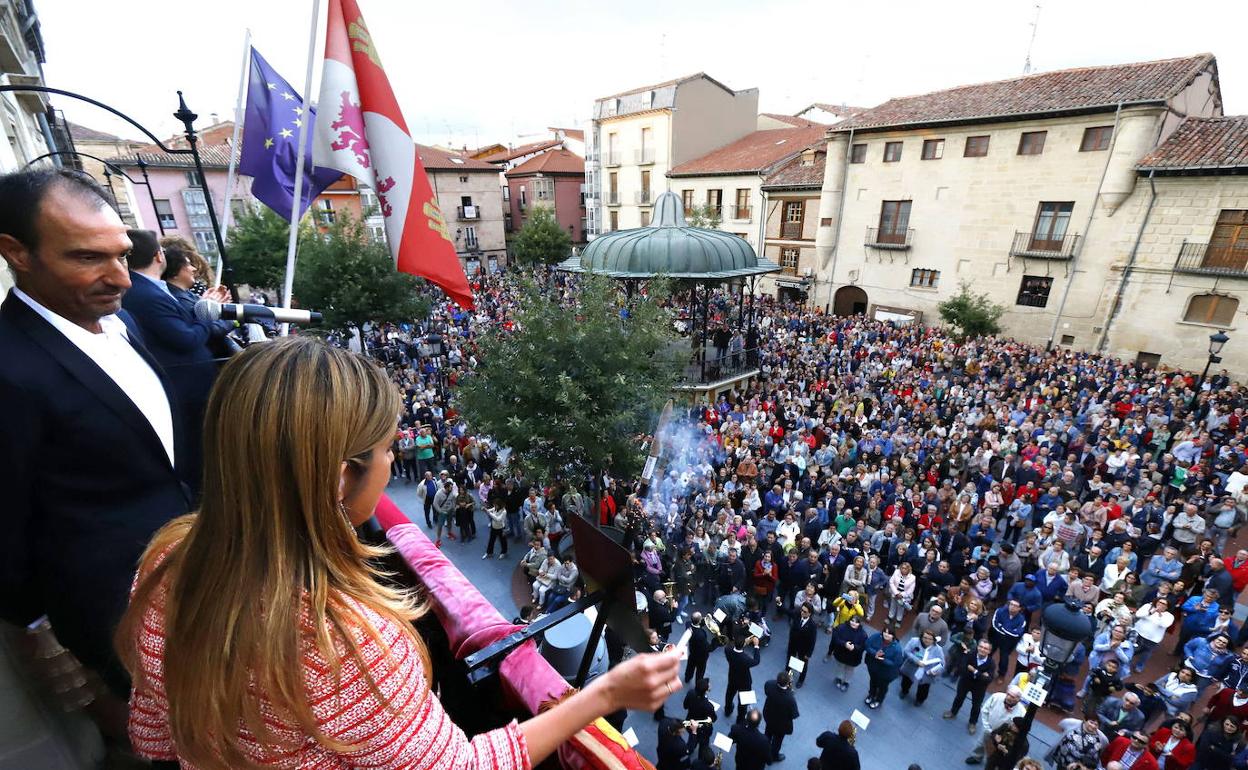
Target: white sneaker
502, 556
485, 556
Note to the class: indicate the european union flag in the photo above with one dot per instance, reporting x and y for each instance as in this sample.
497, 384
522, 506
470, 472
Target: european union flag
271, 142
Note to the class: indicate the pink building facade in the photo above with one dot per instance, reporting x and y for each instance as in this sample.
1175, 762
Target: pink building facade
554, 179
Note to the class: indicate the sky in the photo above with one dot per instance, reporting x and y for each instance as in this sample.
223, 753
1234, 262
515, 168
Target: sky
472, 72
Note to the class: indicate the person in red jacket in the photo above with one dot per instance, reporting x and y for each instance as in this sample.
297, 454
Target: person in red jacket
1132, 751
1238, 568
766, 575
1228, 702
1173, 742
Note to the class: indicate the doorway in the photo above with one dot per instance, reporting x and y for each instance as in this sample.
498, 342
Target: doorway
849, 300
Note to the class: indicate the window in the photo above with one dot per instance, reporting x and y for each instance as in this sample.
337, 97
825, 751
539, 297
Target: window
1147, 360
1228, 246
1051, 222
164, 212
1034, 291
645, 218
1068, 339
205, 242
1096, 138
1031, 142
645, 187
1213, 309
470, 237
506, 193
583, 196
239, 208
196, 209
613, 157
379, 233
892, 152
462, 179
615, 220
976, 147
925, 279
794, 213
933, 149
614, 186
894, 222
192, 179
825, 222
325, 211
543, 189
686, 199
368, 201
858, 153
715, 199
789, 260
743, 203
524, 196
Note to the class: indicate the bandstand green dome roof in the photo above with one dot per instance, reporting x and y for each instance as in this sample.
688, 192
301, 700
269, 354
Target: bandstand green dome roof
669, 246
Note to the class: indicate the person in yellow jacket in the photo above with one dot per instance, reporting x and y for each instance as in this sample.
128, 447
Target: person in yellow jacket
847, 605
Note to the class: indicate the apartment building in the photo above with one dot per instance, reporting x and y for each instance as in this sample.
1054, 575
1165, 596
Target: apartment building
1016, 187
471, 200
1179, 260
554, 179
729, 179
637, 136
96, 149
790, 215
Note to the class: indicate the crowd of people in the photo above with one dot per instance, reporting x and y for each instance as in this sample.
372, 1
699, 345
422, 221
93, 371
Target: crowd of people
912, 499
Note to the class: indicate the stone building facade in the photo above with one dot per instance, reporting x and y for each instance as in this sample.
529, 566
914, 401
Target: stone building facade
1027, 189
471, 200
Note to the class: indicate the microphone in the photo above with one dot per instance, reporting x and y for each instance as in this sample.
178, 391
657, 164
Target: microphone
207, 310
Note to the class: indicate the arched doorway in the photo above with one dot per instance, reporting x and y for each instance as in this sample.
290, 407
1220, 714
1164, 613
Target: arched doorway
849, 300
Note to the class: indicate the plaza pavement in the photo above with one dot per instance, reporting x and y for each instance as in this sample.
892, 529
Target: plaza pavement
899, 734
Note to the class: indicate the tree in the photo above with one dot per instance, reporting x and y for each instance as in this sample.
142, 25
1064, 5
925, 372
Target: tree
971, 315
351, 279
707, 216
571, 388
542, 241
257, 248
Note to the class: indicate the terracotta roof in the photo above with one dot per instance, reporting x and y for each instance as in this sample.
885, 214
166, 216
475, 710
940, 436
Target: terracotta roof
666, 83
792, 120
839, 109
520, 151
436, 159
1202, 144
213, 156
1063, 91
754, 153
793, 175
558, 161
84, 134
571, 133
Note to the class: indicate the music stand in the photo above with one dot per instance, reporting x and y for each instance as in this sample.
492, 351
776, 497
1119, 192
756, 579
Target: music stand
607, 570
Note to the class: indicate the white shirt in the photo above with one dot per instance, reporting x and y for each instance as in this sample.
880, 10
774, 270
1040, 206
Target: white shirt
112, 352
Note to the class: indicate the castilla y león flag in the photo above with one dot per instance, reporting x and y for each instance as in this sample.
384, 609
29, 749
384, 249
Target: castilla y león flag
361, 132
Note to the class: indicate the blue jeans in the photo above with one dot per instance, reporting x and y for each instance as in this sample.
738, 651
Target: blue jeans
682, 602
513, 524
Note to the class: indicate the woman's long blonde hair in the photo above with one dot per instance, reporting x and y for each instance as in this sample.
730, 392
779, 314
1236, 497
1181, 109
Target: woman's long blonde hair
270, 542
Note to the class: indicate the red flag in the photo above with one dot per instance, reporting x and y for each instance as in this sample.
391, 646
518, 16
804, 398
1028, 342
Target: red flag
361, 132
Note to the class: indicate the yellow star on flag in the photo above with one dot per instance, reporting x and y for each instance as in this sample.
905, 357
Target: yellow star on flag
287, 95
298, 110
268, 143
286, 133
298, 122
272, 86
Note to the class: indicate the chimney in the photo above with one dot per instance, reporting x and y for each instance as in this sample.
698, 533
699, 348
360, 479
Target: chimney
214, 118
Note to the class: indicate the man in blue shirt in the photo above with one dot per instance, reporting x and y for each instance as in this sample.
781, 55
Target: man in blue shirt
1163, 566
1008, 626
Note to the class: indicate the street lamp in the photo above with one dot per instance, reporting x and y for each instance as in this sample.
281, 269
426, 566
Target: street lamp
434, 348
1066, 625
1217, 341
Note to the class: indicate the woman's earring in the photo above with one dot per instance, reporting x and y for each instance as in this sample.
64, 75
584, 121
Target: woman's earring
342, 508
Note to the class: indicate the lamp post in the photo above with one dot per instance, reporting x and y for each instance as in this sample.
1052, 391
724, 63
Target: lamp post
434, 348
1065, 626
1217, 341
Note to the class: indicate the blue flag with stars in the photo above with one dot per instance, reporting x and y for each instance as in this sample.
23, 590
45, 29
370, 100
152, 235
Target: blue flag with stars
271, 142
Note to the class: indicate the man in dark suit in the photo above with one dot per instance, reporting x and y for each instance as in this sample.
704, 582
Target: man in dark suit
753, 748
739, 677
178, 340
976, 674
780, 709
802, 634
698, 707
87, 441
701, 643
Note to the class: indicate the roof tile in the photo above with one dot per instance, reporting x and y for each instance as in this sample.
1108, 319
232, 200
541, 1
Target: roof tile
754, 153
795, 175
1046, 92
1202, 144
557, 161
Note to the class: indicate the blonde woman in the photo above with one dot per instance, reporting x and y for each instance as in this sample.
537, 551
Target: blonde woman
259, 635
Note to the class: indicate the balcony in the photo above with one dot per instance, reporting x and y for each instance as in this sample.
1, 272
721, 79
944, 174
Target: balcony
611, 159
791, 230
893, 240
612, 198
1033, 246
742, 213
471, 213
1203, 259
643, 198
644, 157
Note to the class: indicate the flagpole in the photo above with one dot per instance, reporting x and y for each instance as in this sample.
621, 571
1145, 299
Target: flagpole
289, 284
239, 115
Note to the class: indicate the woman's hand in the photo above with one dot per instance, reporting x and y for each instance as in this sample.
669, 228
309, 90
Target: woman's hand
643, 682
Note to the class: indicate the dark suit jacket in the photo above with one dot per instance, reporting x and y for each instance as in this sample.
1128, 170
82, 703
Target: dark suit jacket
780, 709
180, 342
802, 640
87, 482
739, 665
753, 748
